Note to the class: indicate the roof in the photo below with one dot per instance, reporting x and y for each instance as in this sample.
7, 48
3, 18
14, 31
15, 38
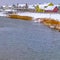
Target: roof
50, 7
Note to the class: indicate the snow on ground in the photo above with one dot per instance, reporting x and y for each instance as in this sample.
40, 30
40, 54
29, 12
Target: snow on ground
2, 14
41, 15
37, 15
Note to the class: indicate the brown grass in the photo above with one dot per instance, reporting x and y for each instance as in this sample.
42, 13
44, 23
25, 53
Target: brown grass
14, 16
51, 23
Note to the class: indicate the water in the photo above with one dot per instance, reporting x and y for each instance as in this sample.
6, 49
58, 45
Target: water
27, 40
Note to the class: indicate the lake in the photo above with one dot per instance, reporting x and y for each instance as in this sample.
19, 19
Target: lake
27, 40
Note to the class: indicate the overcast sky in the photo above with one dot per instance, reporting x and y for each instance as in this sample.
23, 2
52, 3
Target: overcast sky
4, 2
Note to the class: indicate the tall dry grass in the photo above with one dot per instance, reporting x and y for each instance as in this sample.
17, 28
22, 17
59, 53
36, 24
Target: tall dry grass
51, 23
14, 16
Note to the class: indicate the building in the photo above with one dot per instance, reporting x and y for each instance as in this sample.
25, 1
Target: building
51, 9
31, 8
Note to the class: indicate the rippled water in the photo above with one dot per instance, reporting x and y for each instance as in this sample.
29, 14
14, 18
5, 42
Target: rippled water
27, 40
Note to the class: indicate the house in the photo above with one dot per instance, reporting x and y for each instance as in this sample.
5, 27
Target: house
21, 7
51, 9
26, 7
31, 8
44, 7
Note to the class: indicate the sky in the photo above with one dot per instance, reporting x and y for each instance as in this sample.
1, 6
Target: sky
9, 2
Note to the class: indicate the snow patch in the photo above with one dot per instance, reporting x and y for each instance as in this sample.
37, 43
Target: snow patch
55, 16
41, 15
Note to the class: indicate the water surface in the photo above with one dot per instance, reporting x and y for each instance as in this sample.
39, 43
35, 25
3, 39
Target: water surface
27, 40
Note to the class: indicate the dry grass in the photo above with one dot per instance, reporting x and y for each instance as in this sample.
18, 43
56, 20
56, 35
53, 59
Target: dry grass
14, 16
51, 23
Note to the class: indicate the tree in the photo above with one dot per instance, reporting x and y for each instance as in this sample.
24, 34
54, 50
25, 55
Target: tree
37, 8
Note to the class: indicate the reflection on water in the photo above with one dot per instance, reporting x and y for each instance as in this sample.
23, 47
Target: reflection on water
26, 40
